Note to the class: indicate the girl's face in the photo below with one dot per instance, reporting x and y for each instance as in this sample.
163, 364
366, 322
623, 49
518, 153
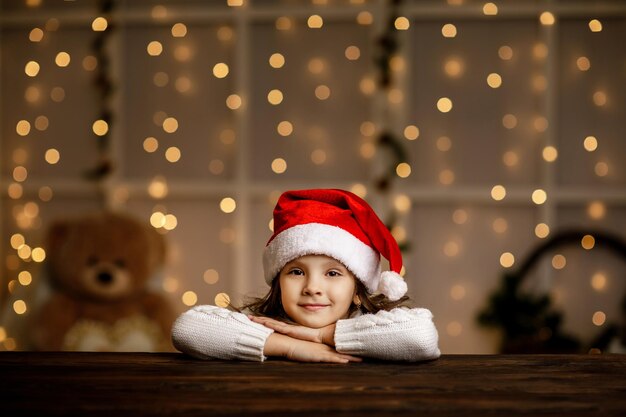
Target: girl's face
316, 290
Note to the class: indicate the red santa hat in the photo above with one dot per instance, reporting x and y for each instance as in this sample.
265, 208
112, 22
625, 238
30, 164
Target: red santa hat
338, 224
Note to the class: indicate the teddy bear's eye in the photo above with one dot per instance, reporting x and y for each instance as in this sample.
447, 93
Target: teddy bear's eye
92, 260
120, 263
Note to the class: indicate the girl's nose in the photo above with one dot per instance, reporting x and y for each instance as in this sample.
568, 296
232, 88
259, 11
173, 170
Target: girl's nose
313, 284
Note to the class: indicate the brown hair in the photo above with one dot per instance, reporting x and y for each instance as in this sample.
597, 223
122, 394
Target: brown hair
271, 306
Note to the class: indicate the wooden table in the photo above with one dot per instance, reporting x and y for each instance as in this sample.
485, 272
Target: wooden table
114, 384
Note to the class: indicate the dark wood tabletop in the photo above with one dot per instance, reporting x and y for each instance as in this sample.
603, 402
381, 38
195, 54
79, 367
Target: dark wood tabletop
114, 384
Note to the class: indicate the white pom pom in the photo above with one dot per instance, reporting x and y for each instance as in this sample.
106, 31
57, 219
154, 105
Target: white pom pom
392, 285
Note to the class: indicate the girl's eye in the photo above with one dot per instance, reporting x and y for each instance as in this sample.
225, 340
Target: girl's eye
334, 273
297, 272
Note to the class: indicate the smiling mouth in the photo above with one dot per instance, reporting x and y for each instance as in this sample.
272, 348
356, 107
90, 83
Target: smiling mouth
313, 307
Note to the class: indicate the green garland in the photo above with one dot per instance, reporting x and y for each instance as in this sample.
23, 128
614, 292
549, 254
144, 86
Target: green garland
529, 323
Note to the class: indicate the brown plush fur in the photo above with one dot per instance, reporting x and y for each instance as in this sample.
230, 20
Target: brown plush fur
99, 267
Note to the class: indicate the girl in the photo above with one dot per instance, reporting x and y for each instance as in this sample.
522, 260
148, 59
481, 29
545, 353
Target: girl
323, 266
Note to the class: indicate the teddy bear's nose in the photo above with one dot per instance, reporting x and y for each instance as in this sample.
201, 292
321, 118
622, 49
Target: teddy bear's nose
105, 278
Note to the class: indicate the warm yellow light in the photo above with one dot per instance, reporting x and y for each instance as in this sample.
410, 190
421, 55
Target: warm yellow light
19, 306
364, 18
550, 153
38, 254
189, 298
154, 48
509, 121
539, 196
234, 3
601, 169
403, 170
443, 143
20, 173
367, 86
211, 276
42, 123
57, 94
583, 63
52, 156
225, 34
170, 222
505, 53
24, 252
453, 67
539, 83
402, 23
444, 104
542, 230
158, 12
32, 68
23, 127
100, 127
490, 9
595, 25
454, 329
32, 94
99, 24
15, 191
216, 166
158, 188
367, 150
17, 240
284, 128
590, 143
316, 66
284, 23
228, 205
277, 60
157, 219
547, 18
402, 203
446, 177
170, 125
222, 300
228, 136
234, 102
322, 92
598, 281
45, 193
451, 249
459, 216
367, 128
62, 59
540, 50
395, 96
150, 144
507, 259
600, 98
411, 132
35, 35
275, 97
540, 124
494, 80
457, 292
588, 242
182, 53
318, 156
596, 210
172, 154
315, 21
448, 30
498, 192
279, 165
179, 30
598, 318
359, 189
353, 53
500, 225
25, 278
559, 261
220, 70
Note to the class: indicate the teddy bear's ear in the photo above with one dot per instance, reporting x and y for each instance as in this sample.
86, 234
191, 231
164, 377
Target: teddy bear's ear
158, 246
57, 235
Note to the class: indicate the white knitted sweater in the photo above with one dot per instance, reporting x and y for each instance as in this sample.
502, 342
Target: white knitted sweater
210, 332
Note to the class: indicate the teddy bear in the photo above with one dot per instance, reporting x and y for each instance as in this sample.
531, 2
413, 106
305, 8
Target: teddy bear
99, 266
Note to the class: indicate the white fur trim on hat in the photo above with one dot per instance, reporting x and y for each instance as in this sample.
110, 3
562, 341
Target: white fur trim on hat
322, 239
392, 285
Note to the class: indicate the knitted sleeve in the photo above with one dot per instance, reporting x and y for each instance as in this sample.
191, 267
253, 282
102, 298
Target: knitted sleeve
401, 334
210, 332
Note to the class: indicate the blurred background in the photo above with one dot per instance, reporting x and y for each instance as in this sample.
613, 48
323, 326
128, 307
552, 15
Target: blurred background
489, 136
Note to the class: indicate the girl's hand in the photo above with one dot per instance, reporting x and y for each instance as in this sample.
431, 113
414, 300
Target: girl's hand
304, 351
324, 335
